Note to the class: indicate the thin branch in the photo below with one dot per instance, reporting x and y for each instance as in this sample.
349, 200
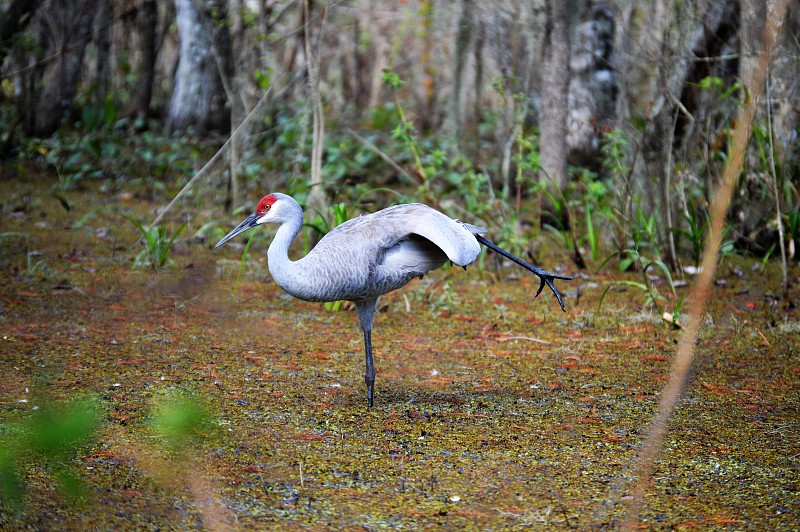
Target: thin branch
235, 99
526, 338
202, 172
374, 149
316, 197
682, 108
714, 59
673, 255
777, 192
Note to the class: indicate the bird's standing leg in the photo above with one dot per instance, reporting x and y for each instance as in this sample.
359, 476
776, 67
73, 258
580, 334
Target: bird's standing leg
369, 374
366, 311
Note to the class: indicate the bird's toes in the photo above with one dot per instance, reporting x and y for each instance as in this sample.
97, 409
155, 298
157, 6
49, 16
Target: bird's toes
548, 279
541, 286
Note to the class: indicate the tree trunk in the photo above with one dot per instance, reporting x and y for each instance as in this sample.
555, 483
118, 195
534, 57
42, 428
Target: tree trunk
13, 21
429, 117
69, 34
102, 39
478, 54
357, 61
198, 99
316, 200
146, 25
783, 75
753, 14
464, 38
555, 84
592, 85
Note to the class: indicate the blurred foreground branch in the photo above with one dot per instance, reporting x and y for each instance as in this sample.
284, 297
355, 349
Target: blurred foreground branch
753, 81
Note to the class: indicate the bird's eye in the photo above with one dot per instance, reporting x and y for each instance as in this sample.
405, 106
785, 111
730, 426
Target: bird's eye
265, 204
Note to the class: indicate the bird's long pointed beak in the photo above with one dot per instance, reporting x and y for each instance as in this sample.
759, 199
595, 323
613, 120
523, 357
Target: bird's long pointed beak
250, 221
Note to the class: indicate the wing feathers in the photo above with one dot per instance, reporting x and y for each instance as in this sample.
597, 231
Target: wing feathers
454, 238
416, 254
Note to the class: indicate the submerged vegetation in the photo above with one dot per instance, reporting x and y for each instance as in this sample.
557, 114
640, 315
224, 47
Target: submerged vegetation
494, 409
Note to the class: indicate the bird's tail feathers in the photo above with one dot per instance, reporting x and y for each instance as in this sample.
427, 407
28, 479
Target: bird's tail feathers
475, 229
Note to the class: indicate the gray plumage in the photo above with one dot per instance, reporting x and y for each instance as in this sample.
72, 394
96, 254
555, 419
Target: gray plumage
369, 256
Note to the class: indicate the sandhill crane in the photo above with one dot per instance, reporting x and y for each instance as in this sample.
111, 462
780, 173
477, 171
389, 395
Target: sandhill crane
369, 256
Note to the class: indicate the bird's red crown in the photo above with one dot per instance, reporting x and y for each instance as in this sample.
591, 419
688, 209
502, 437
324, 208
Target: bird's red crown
265, 204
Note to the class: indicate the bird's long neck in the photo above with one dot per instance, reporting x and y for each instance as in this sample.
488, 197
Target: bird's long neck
281, 267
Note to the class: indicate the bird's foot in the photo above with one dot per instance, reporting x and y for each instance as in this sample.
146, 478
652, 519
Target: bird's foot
370, 392
547, 278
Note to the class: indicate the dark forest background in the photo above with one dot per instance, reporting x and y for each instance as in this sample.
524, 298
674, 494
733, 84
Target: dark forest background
605, 123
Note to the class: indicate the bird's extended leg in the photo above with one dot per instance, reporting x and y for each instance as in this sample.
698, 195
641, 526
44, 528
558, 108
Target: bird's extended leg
546, 277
